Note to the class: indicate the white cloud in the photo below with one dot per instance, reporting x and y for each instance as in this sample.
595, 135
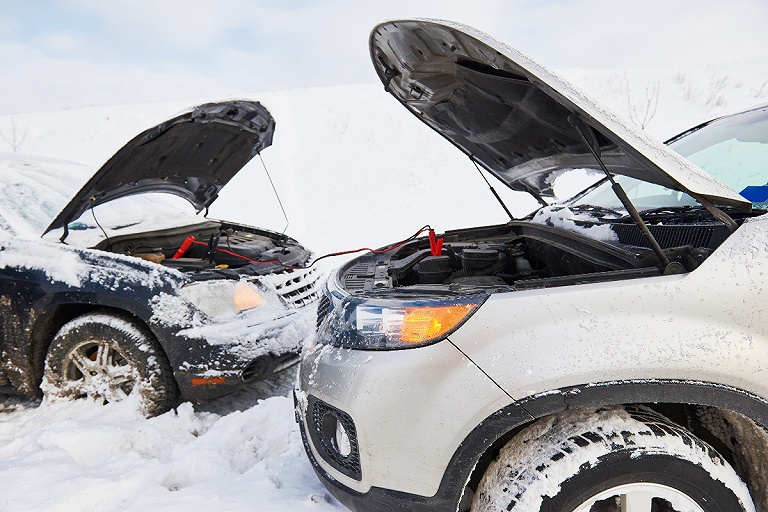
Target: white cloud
140, 50
63, 42
44, 82
184, 24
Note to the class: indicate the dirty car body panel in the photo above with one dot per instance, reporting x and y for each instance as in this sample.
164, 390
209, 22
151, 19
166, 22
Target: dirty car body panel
172, 274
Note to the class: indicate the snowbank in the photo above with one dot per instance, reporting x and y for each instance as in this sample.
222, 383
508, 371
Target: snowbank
75, 456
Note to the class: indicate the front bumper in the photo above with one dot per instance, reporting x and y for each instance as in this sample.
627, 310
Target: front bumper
220, 358
411, 411
378, 499
207, 385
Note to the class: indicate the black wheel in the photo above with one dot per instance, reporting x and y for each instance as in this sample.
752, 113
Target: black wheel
106, 357
610, 460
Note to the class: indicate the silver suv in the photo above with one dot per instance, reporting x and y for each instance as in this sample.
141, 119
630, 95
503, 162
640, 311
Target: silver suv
606, 353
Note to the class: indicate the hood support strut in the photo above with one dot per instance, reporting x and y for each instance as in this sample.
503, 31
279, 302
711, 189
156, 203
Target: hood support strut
594, 148
718, 213
493, 190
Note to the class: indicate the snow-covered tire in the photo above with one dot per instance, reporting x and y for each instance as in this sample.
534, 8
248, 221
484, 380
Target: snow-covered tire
106, 357
593, 459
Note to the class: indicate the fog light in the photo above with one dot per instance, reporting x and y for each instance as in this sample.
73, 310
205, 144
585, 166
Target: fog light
343, 446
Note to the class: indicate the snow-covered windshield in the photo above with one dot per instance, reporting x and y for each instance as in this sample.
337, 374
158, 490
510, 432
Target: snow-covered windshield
151, 211
34, 189
732, 149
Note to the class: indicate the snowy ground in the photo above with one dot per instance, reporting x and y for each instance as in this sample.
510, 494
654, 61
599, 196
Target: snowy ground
240, 453
353, 169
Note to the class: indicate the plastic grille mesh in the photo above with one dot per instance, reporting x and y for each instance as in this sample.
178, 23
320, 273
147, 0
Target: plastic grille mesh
325, 416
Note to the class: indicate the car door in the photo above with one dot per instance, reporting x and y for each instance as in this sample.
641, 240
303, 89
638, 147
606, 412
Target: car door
20, 287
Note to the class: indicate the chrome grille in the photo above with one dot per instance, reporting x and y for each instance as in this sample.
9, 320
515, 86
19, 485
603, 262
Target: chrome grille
297, 287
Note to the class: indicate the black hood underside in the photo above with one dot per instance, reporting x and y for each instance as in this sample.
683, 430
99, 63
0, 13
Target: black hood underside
192, 156
520, 121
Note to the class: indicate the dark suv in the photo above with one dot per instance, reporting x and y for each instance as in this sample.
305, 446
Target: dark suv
126, 293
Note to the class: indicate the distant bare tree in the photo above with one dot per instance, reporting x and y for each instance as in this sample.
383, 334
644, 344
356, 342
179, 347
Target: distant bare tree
715, 97
643, 112
762, 91
17, 136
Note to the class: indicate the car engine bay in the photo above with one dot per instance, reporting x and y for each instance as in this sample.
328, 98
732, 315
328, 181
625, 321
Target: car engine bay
212, 244
525, 255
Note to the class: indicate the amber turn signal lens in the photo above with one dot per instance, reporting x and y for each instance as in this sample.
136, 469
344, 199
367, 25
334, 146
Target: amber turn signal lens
247, 298
430, 322
203, 381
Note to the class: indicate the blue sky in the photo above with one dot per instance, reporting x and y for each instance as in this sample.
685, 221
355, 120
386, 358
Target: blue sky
69, 53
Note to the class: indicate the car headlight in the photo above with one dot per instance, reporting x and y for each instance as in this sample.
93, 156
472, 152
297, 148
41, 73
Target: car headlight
222, 299
382, 324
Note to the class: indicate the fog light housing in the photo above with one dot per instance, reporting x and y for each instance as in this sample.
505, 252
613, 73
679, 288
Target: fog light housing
334, 436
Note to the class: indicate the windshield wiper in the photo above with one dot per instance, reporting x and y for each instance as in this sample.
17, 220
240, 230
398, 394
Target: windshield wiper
601, 211
675, 208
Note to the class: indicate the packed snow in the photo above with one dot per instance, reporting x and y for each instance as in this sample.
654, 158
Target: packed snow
71, 456
353, 169
565, 218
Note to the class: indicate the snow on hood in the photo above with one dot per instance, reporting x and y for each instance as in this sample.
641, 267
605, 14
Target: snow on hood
192, 155
515, 117
75, 267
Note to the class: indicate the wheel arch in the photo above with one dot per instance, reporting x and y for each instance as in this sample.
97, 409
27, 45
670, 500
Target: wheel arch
678, 400
471, 459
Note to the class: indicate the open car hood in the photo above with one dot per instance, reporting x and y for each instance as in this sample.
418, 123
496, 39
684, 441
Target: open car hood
192, 155
515, 117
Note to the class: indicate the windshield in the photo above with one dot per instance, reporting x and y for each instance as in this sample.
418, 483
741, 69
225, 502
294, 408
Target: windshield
644, 195
145, 212
34, 189
733, 149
